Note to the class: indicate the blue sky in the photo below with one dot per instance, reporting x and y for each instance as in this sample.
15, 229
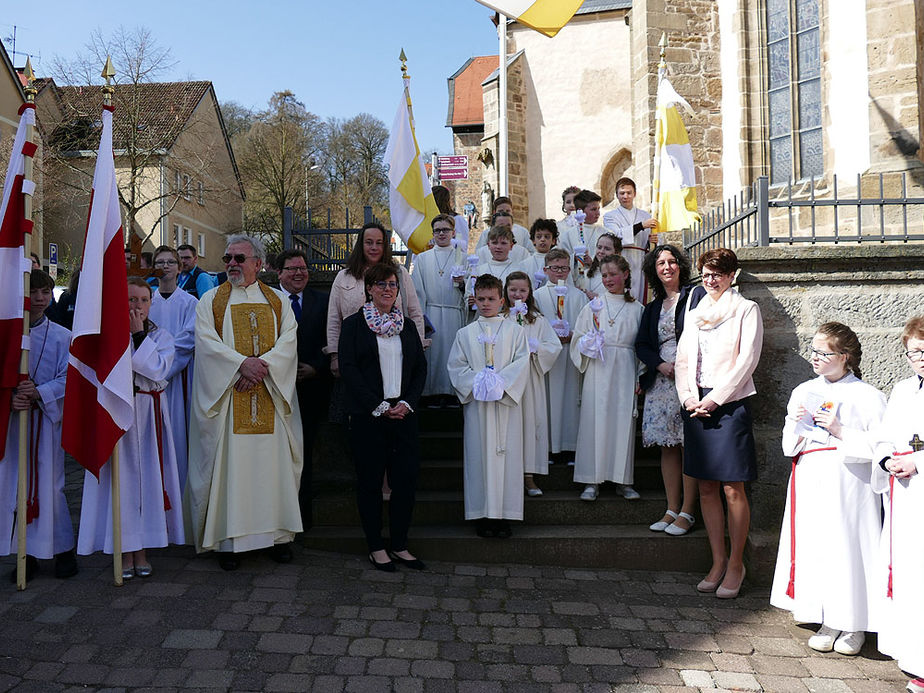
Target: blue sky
340, 58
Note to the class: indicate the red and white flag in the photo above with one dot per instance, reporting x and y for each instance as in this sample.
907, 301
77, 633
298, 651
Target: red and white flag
98, 397
13, 264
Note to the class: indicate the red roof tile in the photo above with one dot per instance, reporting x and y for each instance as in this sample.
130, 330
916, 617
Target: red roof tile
466, 107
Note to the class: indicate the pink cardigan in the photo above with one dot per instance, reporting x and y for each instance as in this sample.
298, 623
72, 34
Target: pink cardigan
734, 359
348, 294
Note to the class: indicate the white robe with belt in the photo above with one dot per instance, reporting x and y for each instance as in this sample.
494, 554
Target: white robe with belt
900, 617
144, 491
544, 348
177, 315
563, 379
243, 488
606, 433
621, 222
493, 431
837, 512
52, 531
442, 302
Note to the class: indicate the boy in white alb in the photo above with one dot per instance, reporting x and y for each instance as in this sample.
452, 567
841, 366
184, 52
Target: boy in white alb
633, 227
544, 235
439, 279
502, 219
500, 242
567, 206
489, 367
581, 238
49, 531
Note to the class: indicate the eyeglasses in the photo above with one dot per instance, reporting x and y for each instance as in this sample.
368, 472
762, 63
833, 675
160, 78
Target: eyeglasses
441, 231
296, 270
916, 355
822, 355
165, 263
557, 268
385, 285
713, 276
239, 258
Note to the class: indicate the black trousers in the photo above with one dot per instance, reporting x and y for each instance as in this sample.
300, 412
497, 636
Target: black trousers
380, 445
313, 405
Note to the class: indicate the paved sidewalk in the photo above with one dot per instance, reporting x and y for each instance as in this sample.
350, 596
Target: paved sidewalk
328, 622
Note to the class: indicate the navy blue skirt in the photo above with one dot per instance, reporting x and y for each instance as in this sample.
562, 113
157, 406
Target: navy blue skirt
721, 447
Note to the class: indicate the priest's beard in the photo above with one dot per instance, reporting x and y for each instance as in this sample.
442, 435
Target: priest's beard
236, 279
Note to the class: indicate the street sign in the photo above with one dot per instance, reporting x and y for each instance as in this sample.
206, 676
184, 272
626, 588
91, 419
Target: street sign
53, 260
453, 161
453, 173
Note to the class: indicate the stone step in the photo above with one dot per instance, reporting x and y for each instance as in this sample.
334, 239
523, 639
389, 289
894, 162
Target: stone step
443, 474
444, 508
627, 547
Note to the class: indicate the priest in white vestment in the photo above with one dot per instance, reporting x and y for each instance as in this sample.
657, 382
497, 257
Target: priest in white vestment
245, 456
633, 226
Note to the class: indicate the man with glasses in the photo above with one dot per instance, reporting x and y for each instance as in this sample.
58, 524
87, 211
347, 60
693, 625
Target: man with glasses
245, 445
439, 279
193, 278
174, 310
312, 379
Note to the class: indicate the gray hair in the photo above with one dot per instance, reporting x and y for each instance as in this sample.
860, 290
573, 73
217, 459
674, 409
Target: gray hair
259, 251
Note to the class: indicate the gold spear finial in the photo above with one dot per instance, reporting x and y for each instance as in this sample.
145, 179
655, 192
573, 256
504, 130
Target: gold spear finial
108, 73
662, 46
30, 89
403, 59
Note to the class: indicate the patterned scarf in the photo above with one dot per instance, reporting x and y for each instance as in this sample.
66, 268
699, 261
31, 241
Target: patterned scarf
384, 325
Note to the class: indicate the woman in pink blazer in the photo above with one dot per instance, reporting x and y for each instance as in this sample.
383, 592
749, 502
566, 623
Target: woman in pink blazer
716, 358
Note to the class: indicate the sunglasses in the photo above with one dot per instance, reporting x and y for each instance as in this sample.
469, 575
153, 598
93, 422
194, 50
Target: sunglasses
239, 258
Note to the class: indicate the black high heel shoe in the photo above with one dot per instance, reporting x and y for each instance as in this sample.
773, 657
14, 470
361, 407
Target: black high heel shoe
387, 567
413, 563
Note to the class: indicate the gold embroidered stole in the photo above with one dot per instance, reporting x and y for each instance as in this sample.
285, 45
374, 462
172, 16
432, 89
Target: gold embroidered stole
254, 335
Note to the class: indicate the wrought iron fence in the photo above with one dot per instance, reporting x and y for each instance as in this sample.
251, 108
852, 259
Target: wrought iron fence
327, 248
753, 218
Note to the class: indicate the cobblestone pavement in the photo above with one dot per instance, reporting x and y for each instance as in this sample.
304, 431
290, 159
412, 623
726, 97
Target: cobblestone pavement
328, 622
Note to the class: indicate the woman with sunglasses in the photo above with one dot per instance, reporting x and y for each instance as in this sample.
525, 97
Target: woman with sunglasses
716, 358
383, 369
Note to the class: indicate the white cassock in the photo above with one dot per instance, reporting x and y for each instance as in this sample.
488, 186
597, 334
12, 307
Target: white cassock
544, 348
621, 222
606, 433
573, 236
520, 235
493, 431
498, 269
245, 455
592, 284
177, 315
518, 254
837, 512
149, 486
899, 618
534, 266
52, 531
563, 379
563, 226
443, 303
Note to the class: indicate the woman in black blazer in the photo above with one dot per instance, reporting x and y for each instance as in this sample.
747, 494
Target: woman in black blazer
383, 369
667, 269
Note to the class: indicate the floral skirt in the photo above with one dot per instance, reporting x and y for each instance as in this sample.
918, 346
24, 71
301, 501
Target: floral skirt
661, 421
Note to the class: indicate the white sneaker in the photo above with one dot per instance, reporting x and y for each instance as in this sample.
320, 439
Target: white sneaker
823, 640
628, 492
589, 493
915, 686
850, 643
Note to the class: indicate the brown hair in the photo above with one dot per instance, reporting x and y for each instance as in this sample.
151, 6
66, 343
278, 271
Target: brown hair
380, 273
622, 266
844, 341
914, 329
442, 197
166, 249
138, 281
39, 279
557, 254
531, 310
617, 250
584, 198
488, 281
718, 259
447, 218
499, 201
543, 225
570, 190
649, 267
501, 232
356, 262
625, 180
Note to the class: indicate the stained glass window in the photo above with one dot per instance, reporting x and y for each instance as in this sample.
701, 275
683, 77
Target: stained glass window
794, 90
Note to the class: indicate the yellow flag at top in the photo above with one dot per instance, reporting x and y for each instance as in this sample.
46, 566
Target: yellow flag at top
674, 184
545, 16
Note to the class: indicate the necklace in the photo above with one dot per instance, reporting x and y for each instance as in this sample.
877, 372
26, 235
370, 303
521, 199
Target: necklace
42, 352
439, 267
611, 319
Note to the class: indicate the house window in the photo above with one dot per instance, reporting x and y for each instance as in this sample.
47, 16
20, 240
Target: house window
201, 246
187, 185
201, 194
177, 236
794, 89
187, 236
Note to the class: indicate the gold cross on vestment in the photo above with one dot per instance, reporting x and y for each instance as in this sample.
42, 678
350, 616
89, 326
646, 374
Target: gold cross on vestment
916, 443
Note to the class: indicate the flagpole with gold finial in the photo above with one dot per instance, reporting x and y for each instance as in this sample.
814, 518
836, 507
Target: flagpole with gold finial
659, 138
108, 89
24, 414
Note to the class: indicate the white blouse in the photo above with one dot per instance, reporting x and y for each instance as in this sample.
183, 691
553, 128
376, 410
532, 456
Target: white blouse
390, 357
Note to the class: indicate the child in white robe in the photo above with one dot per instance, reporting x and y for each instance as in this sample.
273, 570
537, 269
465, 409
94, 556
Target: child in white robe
501, 264
830, 534
544, 235
603, 349
897, 474
151, 501
633, 227
544, 348
49, 531
489, 368
561, 303
439, 279
592, 283
174, 310
580, 238
567, 206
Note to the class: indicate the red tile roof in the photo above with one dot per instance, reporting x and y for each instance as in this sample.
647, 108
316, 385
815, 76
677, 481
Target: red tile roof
465, 105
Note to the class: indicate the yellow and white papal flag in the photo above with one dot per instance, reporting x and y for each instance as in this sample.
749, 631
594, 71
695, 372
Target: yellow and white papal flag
674, 185
545, 16
410, 198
